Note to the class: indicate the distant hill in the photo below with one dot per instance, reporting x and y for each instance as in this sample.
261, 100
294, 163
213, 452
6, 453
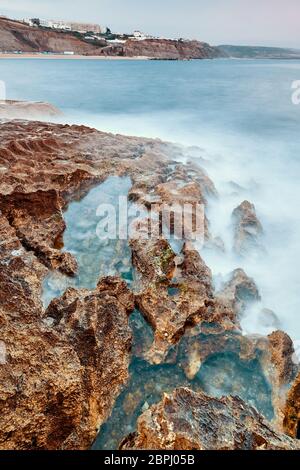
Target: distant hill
259, 52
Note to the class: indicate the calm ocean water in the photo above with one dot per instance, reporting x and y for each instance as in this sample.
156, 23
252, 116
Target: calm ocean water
241, 115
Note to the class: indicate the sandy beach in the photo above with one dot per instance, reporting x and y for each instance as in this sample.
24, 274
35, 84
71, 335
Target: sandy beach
68, 57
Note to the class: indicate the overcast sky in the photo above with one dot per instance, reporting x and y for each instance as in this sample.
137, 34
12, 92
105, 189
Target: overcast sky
254, 22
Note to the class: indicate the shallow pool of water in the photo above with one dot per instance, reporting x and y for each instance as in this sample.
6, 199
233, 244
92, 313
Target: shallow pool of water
96, 257
221, 374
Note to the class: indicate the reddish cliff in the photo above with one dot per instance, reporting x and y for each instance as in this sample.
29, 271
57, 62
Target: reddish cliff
16, 36
170, 49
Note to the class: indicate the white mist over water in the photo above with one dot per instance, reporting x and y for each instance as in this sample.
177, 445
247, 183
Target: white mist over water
241, 116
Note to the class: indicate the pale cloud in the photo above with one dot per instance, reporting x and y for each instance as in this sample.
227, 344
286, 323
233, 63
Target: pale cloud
266, 22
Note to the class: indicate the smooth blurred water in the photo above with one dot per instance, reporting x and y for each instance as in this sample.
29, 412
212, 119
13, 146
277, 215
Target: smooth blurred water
96, 255
220, 374
239, 112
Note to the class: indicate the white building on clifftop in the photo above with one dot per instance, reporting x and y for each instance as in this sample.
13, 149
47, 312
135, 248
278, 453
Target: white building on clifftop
65, 25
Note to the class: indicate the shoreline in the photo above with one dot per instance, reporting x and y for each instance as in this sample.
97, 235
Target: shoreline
42, 56
69, 57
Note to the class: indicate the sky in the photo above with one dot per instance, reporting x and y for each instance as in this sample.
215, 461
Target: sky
248, 22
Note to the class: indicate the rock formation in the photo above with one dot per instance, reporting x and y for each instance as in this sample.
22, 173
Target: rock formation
59, 398
291, 421
238, 292
177, 293
59, 375
61, 369
247, 229
186, 420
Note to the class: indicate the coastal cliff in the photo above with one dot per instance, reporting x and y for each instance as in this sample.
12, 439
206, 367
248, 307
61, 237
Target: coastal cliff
16, 36
165, 49
63, 365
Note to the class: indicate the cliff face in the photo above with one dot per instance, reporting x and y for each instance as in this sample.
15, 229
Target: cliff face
16, 36
170, 49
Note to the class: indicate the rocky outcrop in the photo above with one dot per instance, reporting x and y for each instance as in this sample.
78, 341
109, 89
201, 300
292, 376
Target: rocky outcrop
291, 421
247, 229
238, 292
59, 375
274, 354
27, 110
186, 420
222, 325
177, 292
170, 49
282, 352
62, 368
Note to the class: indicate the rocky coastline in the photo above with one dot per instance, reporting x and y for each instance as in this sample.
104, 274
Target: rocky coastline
63, 367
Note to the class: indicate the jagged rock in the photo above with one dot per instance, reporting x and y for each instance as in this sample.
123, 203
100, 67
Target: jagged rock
153, 258
279, 367
282, 351
171, 302
247, 229
176, 294
40, 175
20, 279
37, 218
274, 354
61, 373
291, 421
186, 420
239, 291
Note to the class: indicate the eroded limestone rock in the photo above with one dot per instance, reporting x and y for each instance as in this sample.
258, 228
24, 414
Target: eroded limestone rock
62, 373
238, 292
247, 229
186, 420
291, 421
176, 293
